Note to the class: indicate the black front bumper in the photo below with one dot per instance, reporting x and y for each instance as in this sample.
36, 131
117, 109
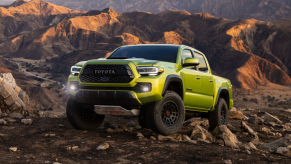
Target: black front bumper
120, 98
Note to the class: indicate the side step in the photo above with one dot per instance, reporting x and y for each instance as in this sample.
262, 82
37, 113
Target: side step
115, 110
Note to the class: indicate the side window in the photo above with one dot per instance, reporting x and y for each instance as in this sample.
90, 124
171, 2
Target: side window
202, 66
186, 53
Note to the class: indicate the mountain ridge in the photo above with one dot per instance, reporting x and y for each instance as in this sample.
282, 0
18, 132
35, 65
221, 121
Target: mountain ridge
245, 51
267, 10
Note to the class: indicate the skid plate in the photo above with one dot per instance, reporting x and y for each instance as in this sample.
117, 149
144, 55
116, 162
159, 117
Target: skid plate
115, 110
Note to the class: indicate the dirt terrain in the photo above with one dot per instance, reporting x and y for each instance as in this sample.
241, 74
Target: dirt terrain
34, 146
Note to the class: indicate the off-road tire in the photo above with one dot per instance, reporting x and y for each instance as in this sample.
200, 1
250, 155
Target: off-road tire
216, 115
155, 113
82, 116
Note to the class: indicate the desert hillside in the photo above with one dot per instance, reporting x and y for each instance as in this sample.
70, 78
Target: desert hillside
267, 10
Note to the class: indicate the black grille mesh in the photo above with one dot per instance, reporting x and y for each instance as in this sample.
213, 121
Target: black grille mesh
92, 78
103, 66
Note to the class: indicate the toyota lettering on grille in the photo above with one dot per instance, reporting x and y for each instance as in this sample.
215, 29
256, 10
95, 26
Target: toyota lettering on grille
105, 71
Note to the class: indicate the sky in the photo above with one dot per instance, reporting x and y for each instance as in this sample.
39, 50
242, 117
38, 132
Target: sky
7, 2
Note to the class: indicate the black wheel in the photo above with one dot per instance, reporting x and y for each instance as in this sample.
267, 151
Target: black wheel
219, 116
83, 116
166, 116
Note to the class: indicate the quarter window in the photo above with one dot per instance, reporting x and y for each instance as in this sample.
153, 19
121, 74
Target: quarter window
202, 66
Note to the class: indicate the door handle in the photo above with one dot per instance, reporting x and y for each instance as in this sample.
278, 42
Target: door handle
197, 77
210, 80
188, 89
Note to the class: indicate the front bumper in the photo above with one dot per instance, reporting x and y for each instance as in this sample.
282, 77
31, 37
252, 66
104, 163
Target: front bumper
122, 98
116, 94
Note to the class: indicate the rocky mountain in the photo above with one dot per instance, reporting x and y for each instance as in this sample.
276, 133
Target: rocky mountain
22, 16
267, 10
249, 52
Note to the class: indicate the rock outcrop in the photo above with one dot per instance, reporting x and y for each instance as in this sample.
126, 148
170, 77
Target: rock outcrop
12, 98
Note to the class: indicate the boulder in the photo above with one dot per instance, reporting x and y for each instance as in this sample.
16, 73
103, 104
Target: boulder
282, 142
13, 149
15, 115
26, 121
252, 146
270, 118
10, 120
243, 146
25, 98
3, 122
200, 133
179, 137
10, 99
166, 138
248, 129
233, 109
235, 115
187, 139
103, 146
226, 135
6, 90
153, 138
139, 136
199, 122
284, 151
265, 130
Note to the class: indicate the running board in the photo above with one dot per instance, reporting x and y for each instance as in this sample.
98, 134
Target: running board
115, 110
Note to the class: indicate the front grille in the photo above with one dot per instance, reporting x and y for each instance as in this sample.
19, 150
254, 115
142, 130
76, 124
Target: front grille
123, 74
103, 66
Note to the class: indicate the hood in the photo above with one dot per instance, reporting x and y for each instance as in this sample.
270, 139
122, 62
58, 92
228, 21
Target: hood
135, 61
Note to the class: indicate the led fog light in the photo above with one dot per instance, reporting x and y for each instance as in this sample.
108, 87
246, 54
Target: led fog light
145, 89
72, 87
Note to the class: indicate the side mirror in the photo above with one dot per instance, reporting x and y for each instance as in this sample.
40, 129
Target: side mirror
191, 62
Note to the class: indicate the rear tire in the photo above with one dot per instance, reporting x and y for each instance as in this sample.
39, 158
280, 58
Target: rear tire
219, 116
83, 116
166, 116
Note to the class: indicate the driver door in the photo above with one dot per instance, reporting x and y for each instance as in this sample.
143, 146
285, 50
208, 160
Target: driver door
192, 81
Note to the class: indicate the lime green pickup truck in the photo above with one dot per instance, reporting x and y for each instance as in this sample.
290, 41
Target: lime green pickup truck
160, 84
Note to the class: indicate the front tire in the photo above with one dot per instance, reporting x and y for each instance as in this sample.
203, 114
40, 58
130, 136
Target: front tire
166, 116
219, 116
83, 116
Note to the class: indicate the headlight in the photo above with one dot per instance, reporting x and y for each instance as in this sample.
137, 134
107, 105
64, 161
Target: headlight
150, 71
75, 70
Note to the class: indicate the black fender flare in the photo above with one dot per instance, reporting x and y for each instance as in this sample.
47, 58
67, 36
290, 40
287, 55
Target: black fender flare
175, 78
222, 90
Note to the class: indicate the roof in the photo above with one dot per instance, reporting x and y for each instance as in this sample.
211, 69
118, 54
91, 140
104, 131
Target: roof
173, 45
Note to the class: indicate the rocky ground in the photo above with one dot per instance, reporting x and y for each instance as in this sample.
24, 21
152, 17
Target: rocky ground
50, 140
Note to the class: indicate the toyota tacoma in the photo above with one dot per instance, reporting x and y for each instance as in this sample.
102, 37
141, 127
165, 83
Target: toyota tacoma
160, 84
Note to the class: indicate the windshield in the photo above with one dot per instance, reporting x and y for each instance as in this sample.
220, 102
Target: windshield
161, 53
